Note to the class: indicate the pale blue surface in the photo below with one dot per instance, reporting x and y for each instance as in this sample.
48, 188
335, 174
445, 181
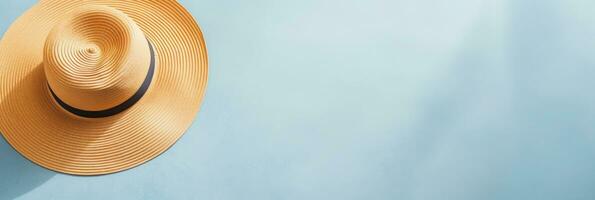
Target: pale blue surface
371, 99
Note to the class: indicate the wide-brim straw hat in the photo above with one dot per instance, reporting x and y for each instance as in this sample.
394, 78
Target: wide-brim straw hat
91, 87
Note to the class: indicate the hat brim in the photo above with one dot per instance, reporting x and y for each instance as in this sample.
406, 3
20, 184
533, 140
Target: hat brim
35, 126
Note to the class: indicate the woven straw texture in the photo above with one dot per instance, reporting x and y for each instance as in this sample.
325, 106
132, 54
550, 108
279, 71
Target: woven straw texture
100, 56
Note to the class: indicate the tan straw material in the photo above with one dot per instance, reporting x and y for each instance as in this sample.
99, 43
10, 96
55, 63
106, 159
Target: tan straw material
65, 56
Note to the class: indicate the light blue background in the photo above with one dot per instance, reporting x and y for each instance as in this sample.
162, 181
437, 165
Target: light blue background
371, 99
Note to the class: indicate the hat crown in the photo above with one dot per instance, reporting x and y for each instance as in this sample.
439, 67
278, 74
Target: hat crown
96, 58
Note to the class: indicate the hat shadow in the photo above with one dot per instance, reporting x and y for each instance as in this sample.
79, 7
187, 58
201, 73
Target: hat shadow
17, 174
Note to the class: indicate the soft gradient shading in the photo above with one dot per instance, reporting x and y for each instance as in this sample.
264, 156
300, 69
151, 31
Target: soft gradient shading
377, 99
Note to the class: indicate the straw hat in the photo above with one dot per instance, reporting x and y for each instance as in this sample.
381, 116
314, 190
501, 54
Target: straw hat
90, 87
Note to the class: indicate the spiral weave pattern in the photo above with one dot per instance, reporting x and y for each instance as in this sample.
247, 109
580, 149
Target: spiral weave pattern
96, 58
88, 49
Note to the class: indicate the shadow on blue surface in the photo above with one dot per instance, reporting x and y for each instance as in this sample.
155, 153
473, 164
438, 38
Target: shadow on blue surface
17, 174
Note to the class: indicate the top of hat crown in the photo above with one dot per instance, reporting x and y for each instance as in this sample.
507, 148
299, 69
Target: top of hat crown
96, 58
